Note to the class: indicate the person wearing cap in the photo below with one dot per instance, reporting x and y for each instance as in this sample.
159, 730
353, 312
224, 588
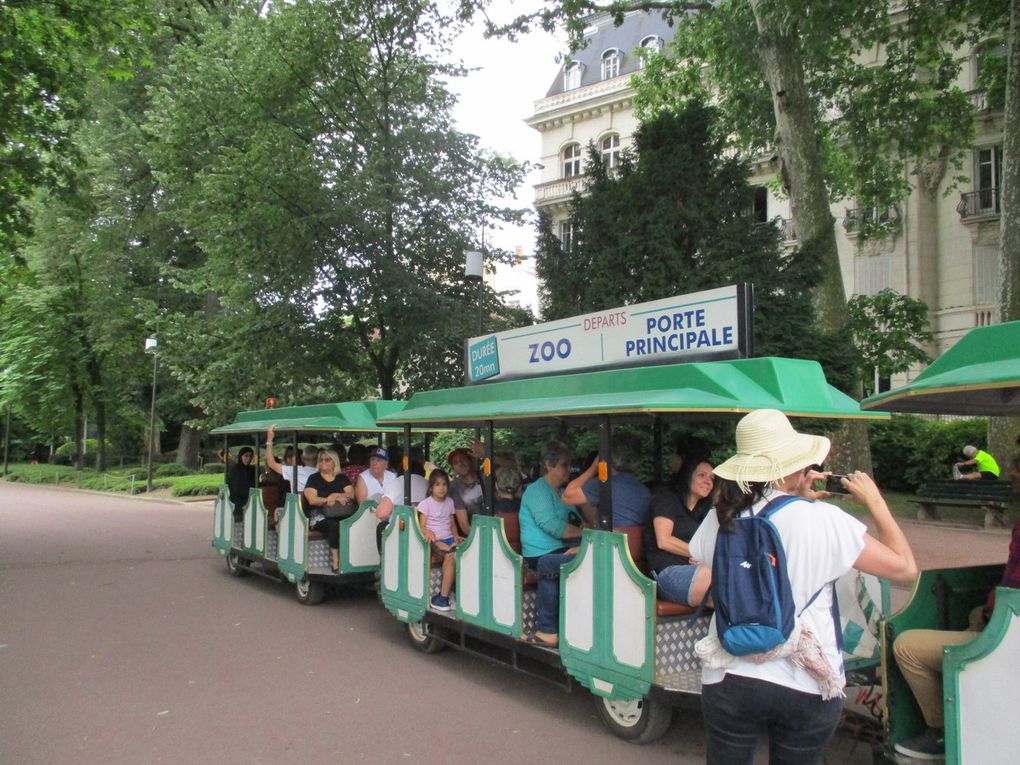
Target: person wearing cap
508, 489
987, 467
466, 487
372, 482
799, 705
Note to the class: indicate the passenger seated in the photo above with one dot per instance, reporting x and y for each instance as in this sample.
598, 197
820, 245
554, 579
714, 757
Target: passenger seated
357, 462
393, 494
330, 499
676, 514
436, 517
547, 538
370, 482
919, 656
630, 497
508, 491
241, 480
466, 487
309, 456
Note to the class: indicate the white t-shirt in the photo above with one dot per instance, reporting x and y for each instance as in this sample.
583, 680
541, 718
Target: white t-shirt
394, 489
375, 487
303, 471
821, 543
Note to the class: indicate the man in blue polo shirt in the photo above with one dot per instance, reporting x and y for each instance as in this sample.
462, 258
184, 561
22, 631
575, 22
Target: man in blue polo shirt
630, 497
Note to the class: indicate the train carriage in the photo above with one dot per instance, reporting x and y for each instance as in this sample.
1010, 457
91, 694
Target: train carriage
288, 551
633, 652
980, 375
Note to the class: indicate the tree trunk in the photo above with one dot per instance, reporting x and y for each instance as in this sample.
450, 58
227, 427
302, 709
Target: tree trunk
100, 435
1009, 200
1002, 431
79, 425
187, 446
801, 169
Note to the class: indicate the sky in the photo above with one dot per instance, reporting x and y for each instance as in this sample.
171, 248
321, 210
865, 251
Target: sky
495, 98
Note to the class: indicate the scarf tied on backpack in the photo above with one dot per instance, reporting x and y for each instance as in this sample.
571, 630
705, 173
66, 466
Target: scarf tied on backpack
802, 648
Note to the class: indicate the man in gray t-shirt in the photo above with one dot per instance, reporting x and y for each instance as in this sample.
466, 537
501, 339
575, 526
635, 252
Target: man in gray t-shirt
465, 488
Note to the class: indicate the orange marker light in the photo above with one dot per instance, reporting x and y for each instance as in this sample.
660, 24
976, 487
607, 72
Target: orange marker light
401, 524
486, 466
407, 463
603, 471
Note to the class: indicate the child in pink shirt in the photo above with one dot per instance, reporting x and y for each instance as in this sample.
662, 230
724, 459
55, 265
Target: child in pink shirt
435, 513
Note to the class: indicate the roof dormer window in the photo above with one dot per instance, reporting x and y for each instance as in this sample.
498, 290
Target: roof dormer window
611, 63
572, 75
651, 45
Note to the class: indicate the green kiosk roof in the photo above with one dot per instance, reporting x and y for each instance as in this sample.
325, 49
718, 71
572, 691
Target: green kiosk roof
980, 375
359, 416
794, 386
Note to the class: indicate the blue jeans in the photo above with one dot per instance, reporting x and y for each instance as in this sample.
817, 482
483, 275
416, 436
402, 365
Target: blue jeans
675, 583
799, 725
547, 601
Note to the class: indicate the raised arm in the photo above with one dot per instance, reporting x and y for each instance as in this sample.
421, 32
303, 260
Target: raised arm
270, 457
574, 493
889, 556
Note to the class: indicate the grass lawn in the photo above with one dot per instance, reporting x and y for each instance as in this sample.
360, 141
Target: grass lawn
126, 480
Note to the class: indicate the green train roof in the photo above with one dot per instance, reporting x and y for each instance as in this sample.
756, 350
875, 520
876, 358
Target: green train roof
355, 416
795, 386
980, 375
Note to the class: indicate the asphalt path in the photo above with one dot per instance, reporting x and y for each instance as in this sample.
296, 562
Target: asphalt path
124, 640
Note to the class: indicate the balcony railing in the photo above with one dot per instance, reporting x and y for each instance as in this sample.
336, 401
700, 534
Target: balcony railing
975, 204
787, 230
546, 193
858, 219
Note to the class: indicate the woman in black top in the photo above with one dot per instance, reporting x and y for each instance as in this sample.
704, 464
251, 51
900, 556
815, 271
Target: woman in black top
241, 480
676, 514
330, 498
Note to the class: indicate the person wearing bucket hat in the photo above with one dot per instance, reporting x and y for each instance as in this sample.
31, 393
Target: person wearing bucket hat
798, 704
372, 482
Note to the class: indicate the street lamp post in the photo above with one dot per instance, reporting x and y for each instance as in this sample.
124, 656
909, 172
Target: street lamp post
473, 265
152, 344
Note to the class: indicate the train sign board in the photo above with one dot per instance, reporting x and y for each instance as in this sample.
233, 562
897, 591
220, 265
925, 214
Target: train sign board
714, 324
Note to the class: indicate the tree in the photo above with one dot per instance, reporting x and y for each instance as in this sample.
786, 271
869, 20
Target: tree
889, 331
673, 218
791, 77
310, 150
47, 53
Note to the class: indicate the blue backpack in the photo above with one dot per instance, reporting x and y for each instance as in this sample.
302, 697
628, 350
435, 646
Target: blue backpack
754, 608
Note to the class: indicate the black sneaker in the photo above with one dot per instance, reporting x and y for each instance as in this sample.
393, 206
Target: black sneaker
930, 745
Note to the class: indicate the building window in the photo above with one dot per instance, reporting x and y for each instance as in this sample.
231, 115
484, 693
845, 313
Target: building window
760, 205
986, 174
572, 160
650, 45
567, 235
572, 75
986, 274
611, 64
611, 151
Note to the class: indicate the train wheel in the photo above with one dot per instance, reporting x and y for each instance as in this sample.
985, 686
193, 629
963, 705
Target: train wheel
639, 721
422, 640
309, 593
235, 566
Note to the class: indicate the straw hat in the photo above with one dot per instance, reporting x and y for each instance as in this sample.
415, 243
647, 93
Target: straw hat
769, 449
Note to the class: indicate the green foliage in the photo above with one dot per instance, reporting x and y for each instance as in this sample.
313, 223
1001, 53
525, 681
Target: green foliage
195, 485
41, 474
888, 329
171, 469
47, 53
909, 450
673, 220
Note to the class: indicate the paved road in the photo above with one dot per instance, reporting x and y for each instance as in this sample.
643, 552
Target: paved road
123, 640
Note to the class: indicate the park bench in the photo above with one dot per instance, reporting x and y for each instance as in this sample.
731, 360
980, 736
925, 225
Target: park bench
991, 496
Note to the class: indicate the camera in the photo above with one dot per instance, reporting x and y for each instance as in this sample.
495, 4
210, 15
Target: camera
833, 484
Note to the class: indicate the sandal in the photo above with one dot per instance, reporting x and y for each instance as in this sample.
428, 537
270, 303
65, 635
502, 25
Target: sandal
533, 639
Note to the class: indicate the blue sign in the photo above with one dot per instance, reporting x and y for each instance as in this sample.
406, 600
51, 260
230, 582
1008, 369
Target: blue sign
483, 359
